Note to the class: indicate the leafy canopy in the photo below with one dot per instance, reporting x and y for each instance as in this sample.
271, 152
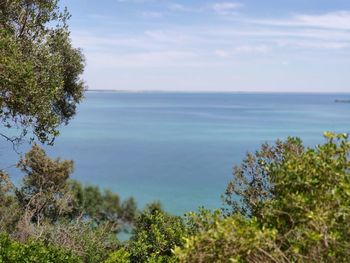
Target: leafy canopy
40, 70
154, 236
49, 207
286, 203
14, 252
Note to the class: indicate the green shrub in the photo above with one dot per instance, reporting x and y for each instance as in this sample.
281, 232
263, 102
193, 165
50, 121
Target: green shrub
32, 252
311, 204
119, 256
154, 236
101, 207
232, 239
92, 244
295, 207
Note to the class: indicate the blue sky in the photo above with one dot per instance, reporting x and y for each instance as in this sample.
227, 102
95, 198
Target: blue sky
247, 45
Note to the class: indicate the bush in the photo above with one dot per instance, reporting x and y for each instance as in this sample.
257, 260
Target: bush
92, 244
300, 211
251, 185
232, 239
33, 252
119, 256
101, 207
311, 204
154, 236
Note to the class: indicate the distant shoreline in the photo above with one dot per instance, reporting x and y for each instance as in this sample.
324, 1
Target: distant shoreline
222, 92
342, 101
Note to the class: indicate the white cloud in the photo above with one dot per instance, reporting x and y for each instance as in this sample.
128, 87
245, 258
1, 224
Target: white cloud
143, 59
312, 45
339, 20
174, 37
177, 7
273, 34
90, 41
242, 50
222, 53
182, 8
221, 46
135, 1
222, 8
226, 8
151, 14
252, 49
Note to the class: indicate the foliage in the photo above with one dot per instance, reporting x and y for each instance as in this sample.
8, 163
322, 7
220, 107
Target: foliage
202, 220
43, 194
154, 236
233, 239
48, 207
101, 207
304, 219
119, 256
40, 71
9, 207
35, 252
91, 243
311, 208
251, 185
295, 207
286, 203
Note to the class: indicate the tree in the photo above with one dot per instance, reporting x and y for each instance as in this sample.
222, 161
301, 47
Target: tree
14, 252
46, 207
305, 217
251, 185
119, 256
9, 207
231, 239
311, 204
101, 207
154, 236
40, 71
43, 196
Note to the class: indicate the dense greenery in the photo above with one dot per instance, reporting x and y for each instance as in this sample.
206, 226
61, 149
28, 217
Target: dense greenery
300, 215
155, 234
101, 207
285, 203
50, 207
40, 71
251, 185
14, 252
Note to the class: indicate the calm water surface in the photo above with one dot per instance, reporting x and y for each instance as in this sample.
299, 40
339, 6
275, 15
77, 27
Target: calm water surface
180, 148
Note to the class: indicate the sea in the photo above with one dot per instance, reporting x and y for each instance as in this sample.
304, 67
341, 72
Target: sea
180, 148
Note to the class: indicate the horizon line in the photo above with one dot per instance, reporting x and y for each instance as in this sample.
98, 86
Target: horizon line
212, 91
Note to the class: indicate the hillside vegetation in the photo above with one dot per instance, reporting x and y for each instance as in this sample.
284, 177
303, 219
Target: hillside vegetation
285, 203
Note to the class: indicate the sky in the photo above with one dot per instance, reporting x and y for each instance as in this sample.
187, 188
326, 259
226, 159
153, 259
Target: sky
239, 46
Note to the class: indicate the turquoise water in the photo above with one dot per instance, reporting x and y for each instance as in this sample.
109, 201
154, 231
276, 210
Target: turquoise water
180, 148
